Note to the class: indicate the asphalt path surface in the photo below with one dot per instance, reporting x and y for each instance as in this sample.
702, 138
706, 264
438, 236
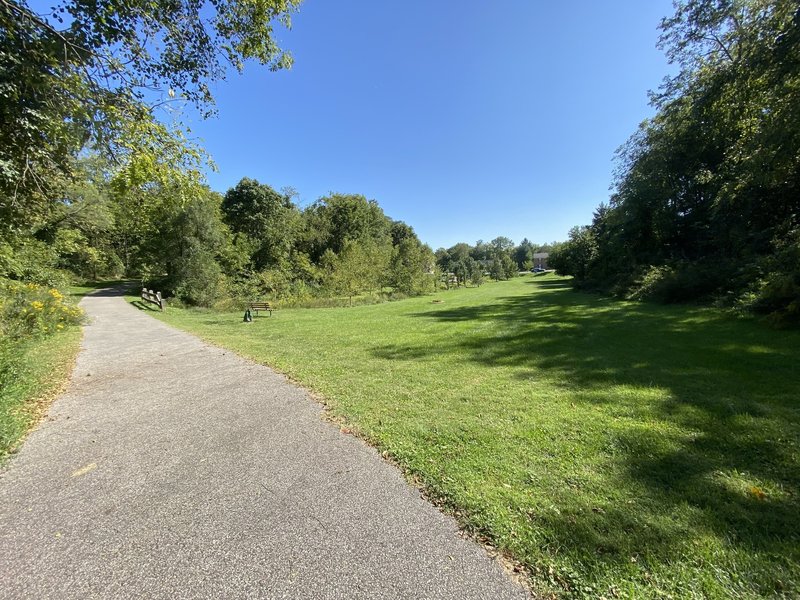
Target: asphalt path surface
171, 468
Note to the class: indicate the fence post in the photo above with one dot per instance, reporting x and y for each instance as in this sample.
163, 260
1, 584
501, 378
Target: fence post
152, 297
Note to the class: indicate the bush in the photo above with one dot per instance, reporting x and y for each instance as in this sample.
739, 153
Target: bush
778, 294
654, 283
29, 310
682, 282
31, 260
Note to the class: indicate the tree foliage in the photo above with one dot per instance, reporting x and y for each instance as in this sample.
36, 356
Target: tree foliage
91, 74
708, 189
268, 218
338, 218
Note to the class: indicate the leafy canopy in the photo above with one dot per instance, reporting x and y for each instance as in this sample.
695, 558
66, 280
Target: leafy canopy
91, 74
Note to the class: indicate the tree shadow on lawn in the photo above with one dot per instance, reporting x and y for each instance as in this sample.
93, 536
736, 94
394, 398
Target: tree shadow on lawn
730, 386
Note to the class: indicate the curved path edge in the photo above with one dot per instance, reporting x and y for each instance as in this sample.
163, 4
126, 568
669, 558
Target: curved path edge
171, 468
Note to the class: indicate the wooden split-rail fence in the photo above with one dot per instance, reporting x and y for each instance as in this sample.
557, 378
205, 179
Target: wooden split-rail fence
153, 298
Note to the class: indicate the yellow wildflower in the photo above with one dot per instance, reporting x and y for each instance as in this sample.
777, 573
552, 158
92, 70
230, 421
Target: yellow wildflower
37, 305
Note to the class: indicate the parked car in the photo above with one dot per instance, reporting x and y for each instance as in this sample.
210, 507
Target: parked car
538, 270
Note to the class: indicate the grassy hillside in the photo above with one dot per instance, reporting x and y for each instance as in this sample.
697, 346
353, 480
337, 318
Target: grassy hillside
613, 448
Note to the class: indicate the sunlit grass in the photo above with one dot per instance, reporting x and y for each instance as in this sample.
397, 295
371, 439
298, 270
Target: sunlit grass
33, 372
612, 448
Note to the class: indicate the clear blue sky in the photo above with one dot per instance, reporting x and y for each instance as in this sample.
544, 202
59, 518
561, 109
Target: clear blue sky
467, 119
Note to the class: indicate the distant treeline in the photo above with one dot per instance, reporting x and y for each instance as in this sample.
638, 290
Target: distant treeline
203, 248
707, 197
253, 242
463, 264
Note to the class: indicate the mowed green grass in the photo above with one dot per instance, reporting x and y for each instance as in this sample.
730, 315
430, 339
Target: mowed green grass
615, 449
33, 376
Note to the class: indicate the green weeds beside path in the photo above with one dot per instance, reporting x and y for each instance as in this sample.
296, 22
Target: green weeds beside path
35, 367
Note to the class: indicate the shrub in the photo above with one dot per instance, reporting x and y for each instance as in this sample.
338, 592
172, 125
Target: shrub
681, 282
29, 310
778, 294
31, 260
653, 284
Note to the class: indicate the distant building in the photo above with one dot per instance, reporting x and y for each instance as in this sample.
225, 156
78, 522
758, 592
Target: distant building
540, 260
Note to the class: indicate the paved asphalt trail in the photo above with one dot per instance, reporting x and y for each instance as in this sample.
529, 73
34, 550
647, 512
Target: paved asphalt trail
174, 469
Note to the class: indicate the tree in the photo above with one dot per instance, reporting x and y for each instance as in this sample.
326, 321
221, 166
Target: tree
523, 254
88, 74
410, 267
496, 269
459, 252
481, 251
268, 218
401, 231
474, 272
501, 245
460, 270
333, 220
706, 190
510, 268
575, 256
351, 272
192, 243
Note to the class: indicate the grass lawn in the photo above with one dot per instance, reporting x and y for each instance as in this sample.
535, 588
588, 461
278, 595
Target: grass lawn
613, 448
31, 378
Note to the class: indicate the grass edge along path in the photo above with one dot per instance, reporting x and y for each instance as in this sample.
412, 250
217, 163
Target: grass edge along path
41, 372
42, 368
615, 449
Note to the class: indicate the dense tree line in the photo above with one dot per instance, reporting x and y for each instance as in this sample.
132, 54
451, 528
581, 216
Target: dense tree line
85, 80
707, 197
341, 245
204, 247
88, 79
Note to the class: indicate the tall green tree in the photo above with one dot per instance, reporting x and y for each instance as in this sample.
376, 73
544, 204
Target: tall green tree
269, 219
707, 190
332, 221
411, 267
92, 74
352, 271
194, 243
523, 254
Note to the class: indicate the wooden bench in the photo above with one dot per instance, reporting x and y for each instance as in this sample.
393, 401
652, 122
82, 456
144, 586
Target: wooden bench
257, 306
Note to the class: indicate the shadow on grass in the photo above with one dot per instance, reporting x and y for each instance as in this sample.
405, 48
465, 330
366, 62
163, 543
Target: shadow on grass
142, 305
729, 406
